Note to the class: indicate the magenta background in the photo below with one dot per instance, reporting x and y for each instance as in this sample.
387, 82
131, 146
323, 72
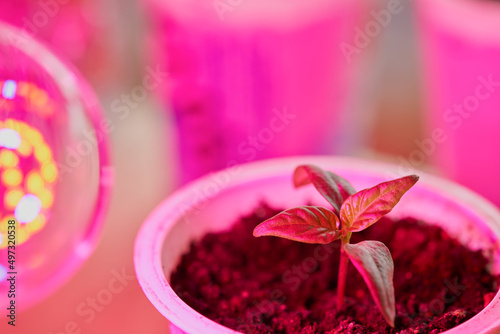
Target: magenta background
227, 79
453, 59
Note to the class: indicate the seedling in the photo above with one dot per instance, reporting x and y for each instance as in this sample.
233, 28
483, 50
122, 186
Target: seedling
351, 212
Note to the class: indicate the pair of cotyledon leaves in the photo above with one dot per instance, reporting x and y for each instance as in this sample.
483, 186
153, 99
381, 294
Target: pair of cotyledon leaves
351, 212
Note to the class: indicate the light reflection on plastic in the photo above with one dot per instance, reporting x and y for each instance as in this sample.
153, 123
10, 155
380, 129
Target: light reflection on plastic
9, 138
37, 100
28, 208
9, 89
3, 273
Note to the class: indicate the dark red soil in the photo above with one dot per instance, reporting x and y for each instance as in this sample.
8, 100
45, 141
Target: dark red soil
272, 285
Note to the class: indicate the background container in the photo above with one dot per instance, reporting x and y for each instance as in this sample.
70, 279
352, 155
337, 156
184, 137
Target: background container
256, 79
460, 42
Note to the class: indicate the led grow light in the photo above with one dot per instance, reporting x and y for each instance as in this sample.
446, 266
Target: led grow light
28, 174
47, 110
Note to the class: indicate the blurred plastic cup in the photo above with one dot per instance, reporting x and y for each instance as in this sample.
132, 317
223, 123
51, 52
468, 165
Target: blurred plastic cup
461, 56
55, 173
252, 79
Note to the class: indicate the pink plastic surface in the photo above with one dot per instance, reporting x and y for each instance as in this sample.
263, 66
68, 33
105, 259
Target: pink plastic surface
216, 201
460, 42
57, 116
256, 79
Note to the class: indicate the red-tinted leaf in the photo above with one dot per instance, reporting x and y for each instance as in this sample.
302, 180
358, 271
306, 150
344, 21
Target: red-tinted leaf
373, 260
366, 207
332, 187
345, 187
309, 224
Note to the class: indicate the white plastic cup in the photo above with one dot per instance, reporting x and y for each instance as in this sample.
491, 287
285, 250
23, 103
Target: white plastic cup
209, 205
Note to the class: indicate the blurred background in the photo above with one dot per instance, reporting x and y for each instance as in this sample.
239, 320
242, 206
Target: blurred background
189, 88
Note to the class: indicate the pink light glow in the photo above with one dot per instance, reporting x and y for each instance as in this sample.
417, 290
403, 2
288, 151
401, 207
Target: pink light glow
461, 51
245, 84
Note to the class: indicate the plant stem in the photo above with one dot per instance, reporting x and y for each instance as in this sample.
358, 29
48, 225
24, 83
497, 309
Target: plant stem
344, 261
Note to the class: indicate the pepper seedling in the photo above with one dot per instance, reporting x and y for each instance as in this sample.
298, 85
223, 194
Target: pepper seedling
351, 212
